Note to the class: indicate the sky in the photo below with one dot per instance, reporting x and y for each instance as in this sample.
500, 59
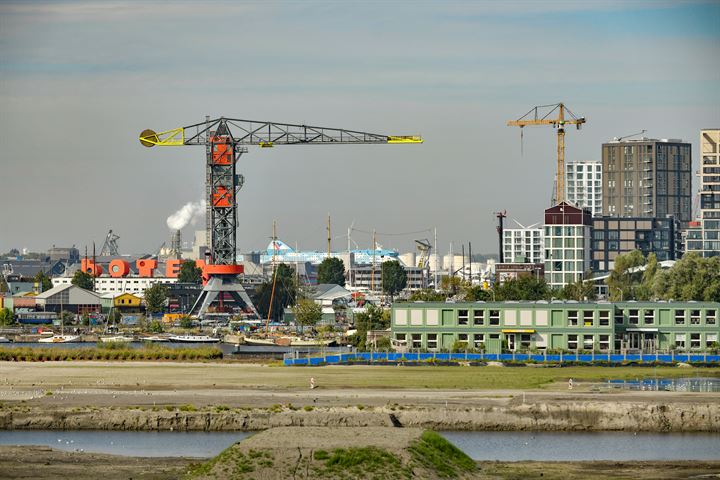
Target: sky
79, 81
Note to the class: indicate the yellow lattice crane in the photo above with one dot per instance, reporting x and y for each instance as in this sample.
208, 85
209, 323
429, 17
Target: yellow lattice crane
533, 117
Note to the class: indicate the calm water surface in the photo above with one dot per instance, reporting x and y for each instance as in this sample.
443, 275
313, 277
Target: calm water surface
133, 444
568, 446
506, 446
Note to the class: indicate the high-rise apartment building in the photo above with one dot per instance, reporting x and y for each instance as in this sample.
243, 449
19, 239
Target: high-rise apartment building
583, 185
523, 244
567, 244
705, 237
647, 178
614, 236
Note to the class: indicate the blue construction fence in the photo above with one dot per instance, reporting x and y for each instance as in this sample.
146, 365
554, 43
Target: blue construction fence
372, 357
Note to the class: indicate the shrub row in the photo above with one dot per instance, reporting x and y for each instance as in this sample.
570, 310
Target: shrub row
28, 354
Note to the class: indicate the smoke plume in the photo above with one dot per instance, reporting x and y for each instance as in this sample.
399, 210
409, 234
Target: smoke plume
191, 212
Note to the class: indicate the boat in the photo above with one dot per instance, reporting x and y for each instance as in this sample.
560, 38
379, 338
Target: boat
117, 338
155, 339
259, 341
311, 342
193, 339
4, 340
60, 339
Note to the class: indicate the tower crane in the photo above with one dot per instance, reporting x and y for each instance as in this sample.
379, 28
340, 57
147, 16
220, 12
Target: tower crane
534, 117
225, 140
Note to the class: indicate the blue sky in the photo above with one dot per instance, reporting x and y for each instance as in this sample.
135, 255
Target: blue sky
82, 79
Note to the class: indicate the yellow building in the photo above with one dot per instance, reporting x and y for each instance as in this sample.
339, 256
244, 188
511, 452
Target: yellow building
127, 302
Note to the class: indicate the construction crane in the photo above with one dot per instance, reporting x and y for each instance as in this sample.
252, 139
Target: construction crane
534, 117
110, 247
225, 140
425, 248
619, 139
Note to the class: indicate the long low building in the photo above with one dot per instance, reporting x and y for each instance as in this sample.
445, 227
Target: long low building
568, 326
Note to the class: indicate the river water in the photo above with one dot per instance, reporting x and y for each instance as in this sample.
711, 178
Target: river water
571, 446
504, 446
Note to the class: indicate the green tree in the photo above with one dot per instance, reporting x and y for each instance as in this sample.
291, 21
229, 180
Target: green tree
190, 273
43, 281
285, 293
477, 293
82, 280
155, 297
451, 284
394, 277
427, 295
623, 282
186, 322
579, 290
645, 291
307, 313
383, 343
6, 316
525, 287
332, 270
373, 318
3, 285
115, 316
691, 278
156, 326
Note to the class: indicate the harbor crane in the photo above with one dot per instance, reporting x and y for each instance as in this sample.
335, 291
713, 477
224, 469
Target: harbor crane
225, 140
534, 117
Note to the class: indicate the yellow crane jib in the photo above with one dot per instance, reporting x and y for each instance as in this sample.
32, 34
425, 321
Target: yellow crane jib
404, 139
171, 138
536, 117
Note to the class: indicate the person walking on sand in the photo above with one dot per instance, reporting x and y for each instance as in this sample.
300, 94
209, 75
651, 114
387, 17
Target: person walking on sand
570, 384
312, 383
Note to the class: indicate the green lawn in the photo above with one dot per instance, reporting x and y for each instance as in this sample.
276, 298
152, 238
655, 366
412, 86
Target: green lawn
483, 378
184, 376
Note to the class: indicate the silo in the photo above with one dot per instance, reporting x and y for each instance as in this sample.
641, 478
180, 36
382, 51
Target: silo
408, 259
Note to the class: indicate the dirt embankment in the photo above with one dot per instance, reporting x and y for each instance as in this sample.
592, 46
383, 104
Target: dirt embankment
540, 416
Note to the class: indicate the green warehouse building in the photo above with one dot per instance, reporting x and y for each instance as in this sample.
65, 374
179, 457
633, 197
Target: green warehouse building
568, 326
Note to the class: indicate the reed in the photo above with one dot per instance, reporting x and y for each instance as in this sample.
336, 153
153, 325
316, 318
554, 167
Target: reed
114, 353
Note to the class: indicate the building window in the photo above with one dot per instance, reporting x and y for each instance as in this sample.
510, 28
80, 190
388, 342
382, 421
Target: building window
494, 336
588, 342
604, 343
619, 317
494, 317
604, 318
463, 317
416, 340
525, 341
695, 341
680, 341
634, 317
572, 318
572, 342
400, 337
432, 341
679, 317
463, 337
478, 317
711, 340
694, 317
588, 318
710, 317
479, 340
649, 317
